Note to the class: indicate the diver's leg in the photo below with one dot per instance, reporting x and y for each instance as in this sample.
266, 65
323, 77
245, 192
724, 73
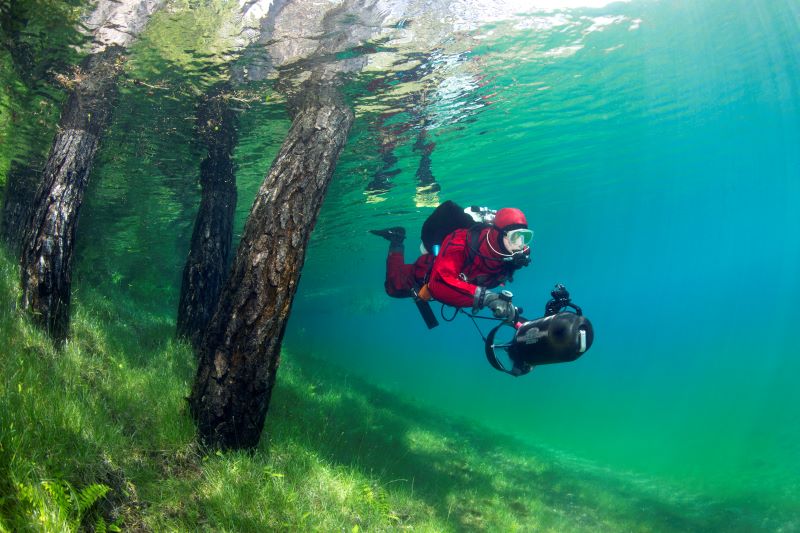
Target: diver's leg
399, 275
395, 236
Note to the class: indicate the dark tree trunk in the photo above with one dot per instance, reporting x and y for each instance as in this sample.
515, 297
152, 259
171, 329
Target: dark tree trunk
241, 350
49, 240
207, 263
23, 180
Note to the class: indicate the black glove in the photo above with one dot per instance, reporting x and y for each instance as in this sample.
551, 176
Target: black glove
500, 308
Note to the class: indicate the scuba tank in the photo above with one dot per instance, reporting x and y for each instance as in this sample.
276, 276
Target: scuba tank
449, 217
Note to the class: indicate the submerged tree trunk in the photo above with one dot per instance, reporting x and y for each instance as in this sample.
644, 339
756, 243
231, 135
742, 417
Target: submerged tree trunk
241, 349
49, 239
47, 251
206, 265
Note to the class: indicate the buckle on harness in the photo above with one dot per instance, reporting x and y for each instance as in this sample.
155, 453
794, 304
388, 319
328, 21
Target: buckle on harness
424, 293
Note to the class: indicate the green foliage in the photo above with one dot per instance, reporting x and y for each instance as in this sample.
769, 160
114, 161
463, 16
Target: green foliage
42, 36
378, 500
5, 116
28, 118
56, 506
108, 413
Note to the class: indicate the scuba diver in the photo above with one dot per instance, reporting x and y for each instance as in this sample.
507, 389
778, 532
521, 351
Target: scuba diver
466, 252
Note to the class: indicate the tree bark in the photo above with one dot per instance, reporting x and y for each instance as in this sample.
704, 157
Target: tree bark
47, 252
206, 266
240, 353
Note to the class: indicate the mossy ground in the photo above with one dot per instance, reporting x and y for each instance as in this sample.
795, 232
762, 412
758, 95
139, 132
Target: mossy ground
337, 454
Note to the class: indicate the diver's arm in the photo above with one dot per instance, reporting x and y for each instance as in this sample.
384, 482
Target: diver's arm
445, 284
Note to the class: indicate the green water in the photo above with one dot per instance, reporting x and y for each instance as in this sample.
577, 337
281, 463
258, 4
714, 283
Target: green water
658, 169
653, 147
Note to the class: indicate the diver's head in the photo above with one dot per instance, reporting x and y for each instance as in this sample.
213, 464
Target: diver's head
513, 227
510, 232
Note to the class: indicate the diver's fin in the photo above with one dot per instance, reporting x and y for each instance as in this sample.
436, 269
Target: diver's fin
394, 235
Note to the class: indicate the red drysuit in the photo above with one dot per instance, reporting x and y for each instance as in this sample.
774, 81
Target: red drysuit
456, 272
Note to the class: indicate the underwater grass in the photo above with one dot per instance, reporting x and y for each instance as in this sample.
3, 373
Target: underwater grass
5, 117
97, 436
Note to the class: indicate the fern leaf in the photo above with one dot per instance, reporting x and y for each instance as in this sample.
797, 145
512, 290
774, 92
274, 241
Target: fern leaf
60, 492
89, 496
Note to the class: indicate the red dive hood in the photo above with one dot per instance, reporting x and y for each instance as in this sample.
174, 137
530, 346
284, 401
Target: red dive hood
510, 218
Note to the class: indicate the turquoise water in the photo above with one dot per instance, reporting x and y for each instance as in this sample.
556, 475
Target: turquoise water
653, 147
658, 167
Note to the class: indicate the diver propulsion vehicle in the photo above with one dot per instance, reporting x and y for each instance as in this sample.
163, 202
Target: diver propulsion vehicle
561, 336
